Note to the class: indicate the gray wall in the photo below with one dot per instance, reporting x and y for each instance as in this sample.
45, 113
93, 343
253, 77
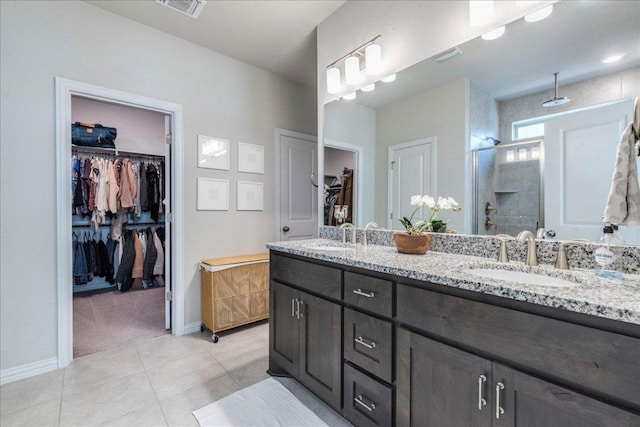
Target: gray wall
221, 97
440, 112
611, 87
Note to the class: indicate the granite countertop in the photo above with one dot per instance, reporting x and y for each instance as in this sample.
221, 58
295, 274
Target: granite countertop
616, 300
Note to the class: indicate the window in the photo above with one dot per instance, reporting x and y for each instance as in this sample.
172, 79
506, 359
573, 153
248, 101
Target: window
526, 130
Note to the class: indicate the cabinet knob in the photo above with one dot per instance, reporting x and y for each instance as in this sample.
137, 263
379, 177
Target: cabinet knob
285, 229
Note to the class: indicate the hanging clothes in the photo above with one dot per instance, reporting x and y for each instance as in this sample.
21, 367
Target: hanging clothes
138, 262
123, 277
144, 203
112, 187
112, 246
153, 191
149, 259
346, 193
80, 272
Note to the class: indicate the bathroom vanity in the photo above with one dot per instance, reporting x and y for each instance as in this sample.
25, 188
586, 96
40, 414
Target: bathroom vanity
391, 339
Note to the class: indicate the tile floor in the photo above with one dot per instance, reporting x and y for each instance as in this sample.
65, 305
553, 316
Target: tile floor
155, 382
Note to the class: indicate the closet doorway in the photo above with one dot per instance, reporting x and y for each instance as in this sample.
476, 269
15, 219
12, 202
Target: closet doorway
119, 241
341, 184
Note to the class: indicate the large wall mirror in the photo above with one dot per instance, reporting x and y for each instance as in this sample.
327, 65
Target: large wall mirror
470, 124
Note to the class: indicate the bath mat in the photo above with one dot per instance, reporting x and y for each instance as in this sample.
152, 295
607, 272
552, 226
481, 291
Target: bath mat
265, 404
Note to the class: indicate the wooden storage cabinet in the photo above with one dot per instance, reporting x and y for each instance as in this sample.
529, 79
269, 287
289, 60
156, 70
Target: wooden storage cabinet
234, 291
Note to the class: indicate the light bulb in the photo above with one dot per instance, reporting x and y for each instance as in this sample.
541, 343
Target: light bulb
539, 15
350, 96
494, 34
352, 70
369, 88
612, 58
390, 78
373, 59
480, 12
333, 80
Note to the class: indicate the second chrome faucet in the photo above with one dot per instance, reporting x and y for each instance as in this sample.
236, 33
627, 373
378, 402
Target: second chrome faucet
532, 255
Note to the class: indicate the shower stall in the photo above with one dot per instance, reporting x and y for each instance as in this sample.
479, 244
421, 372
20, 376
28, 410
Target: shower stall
508, 188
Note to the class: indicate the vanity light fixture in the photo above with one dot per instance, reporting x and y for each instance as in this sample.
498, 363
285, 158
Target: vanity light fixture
349, 96
494, 34
612, 58
390, 78
540, 14
369, 88
480, 12
372, 53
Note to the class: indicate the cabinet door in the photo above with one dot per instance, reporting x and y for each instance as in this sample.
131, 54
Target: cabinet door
283, 328
321, 348
438, 385
526, 400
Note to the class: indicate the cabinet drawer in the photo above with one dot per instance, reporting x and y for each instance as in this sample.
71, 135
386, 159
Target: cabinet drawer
316, 278
600, 362
369, 293
366, 401
368, 343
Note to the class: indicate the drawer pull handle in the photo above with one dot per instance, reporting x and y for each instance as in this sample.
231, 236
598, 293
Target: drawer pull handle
360, 341
481, 400
359, 401
364, 294
293, 308
499, 409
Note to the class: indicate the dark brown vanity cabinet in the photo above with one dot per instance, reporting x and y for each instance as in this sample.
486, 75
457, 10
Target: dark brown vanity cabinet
305, 336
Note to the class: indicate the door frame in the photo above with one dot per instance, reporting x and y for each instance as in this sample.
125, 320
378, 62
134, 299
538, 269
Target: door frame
359, 152
428, 140
65, 88
277, 134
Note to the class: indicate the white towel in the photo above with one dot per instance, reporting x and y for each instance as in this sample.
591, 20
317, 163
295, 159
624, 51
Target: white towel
623, 203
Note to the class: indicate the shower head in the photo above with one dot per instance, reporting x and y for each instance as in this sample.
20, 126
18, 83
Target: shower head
555, 101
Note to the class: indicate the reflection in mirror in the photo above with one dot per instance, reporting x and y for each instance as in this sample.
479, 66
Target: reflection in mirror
491, 96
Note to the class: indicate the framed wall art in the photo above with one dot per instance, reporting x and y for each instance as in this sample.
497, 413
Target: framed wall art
213, 152
213, 194
250, 196
250, 158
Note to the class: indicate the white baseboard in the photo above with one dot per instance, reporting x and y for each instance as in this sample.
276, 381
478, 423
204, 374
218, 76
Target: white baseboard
190, 328
16, 373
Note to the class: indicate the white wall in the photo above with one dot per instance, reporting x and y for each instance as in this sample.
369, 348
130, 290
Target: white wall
221, 97
335, 160
356, 124
440, 112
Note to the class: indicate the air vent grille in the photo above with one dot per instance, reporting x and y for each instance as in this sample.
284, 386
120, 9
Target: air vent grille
190, 8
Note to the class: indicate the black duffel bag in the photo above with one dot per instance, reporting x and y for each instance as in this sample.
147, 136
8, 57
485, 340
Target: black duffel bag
93, 135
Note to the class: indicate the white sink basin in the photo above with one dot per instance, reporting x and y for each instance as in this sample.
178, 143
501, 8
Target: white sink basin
330, 248
521, 277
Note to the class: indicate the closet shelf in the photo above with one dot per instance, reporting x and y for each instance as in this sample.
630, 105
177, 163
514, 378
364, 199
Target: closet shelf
76, 149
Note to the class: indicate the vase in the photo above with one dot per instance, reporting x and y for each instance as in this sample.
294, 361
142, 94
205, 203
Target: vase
411, 244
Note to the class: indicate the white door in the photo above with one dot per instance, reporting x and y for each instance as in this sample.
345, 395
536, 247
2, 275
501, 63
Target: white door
580, 154
412, 171
298, 197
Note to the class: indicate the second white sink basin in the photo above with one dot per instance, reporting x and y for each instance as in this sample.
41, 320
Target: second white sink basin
521, 277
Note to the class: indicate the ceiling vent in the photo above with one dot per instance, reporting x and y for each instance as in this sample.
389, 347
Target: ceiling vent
190, 8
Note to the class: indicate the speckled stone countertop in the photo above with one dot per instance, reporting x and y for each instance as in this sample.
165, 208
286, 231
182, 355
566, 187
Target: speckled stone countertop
616, 300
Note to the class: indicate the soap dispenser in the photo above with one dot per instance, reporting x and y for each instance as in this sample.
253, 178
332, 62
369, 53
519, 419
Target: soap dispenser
608, 256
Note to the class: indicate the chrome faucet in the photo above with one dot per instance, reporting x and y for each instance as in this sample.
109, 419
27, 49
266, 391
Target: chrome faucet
532, 256
503, 256
374, 225
344, 227
562, 262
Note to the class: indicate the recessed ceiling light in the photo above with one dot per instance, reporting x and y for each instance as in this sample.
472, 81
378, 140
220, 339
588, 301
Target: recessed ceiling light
494, 34
369, 88
390, 78
539, 15
350, 96
612, 58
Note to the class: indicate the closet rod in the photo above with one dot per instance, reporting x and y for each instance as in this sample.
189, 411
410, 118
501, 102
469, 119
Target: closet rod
131, 224
113, 152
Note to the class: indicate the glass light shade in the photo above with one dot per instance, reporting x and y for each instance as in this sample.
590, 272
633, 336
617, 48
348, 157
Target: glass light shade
350, 96
494, 34
539, 15
390, 78
373, 59
612, 58
480, 12
352, 70
333, 80
369, 88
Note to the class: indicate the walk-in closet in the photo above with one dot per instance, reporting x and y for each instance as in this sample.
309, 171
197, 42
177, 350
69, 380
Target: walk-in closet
339, 185
120, 250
